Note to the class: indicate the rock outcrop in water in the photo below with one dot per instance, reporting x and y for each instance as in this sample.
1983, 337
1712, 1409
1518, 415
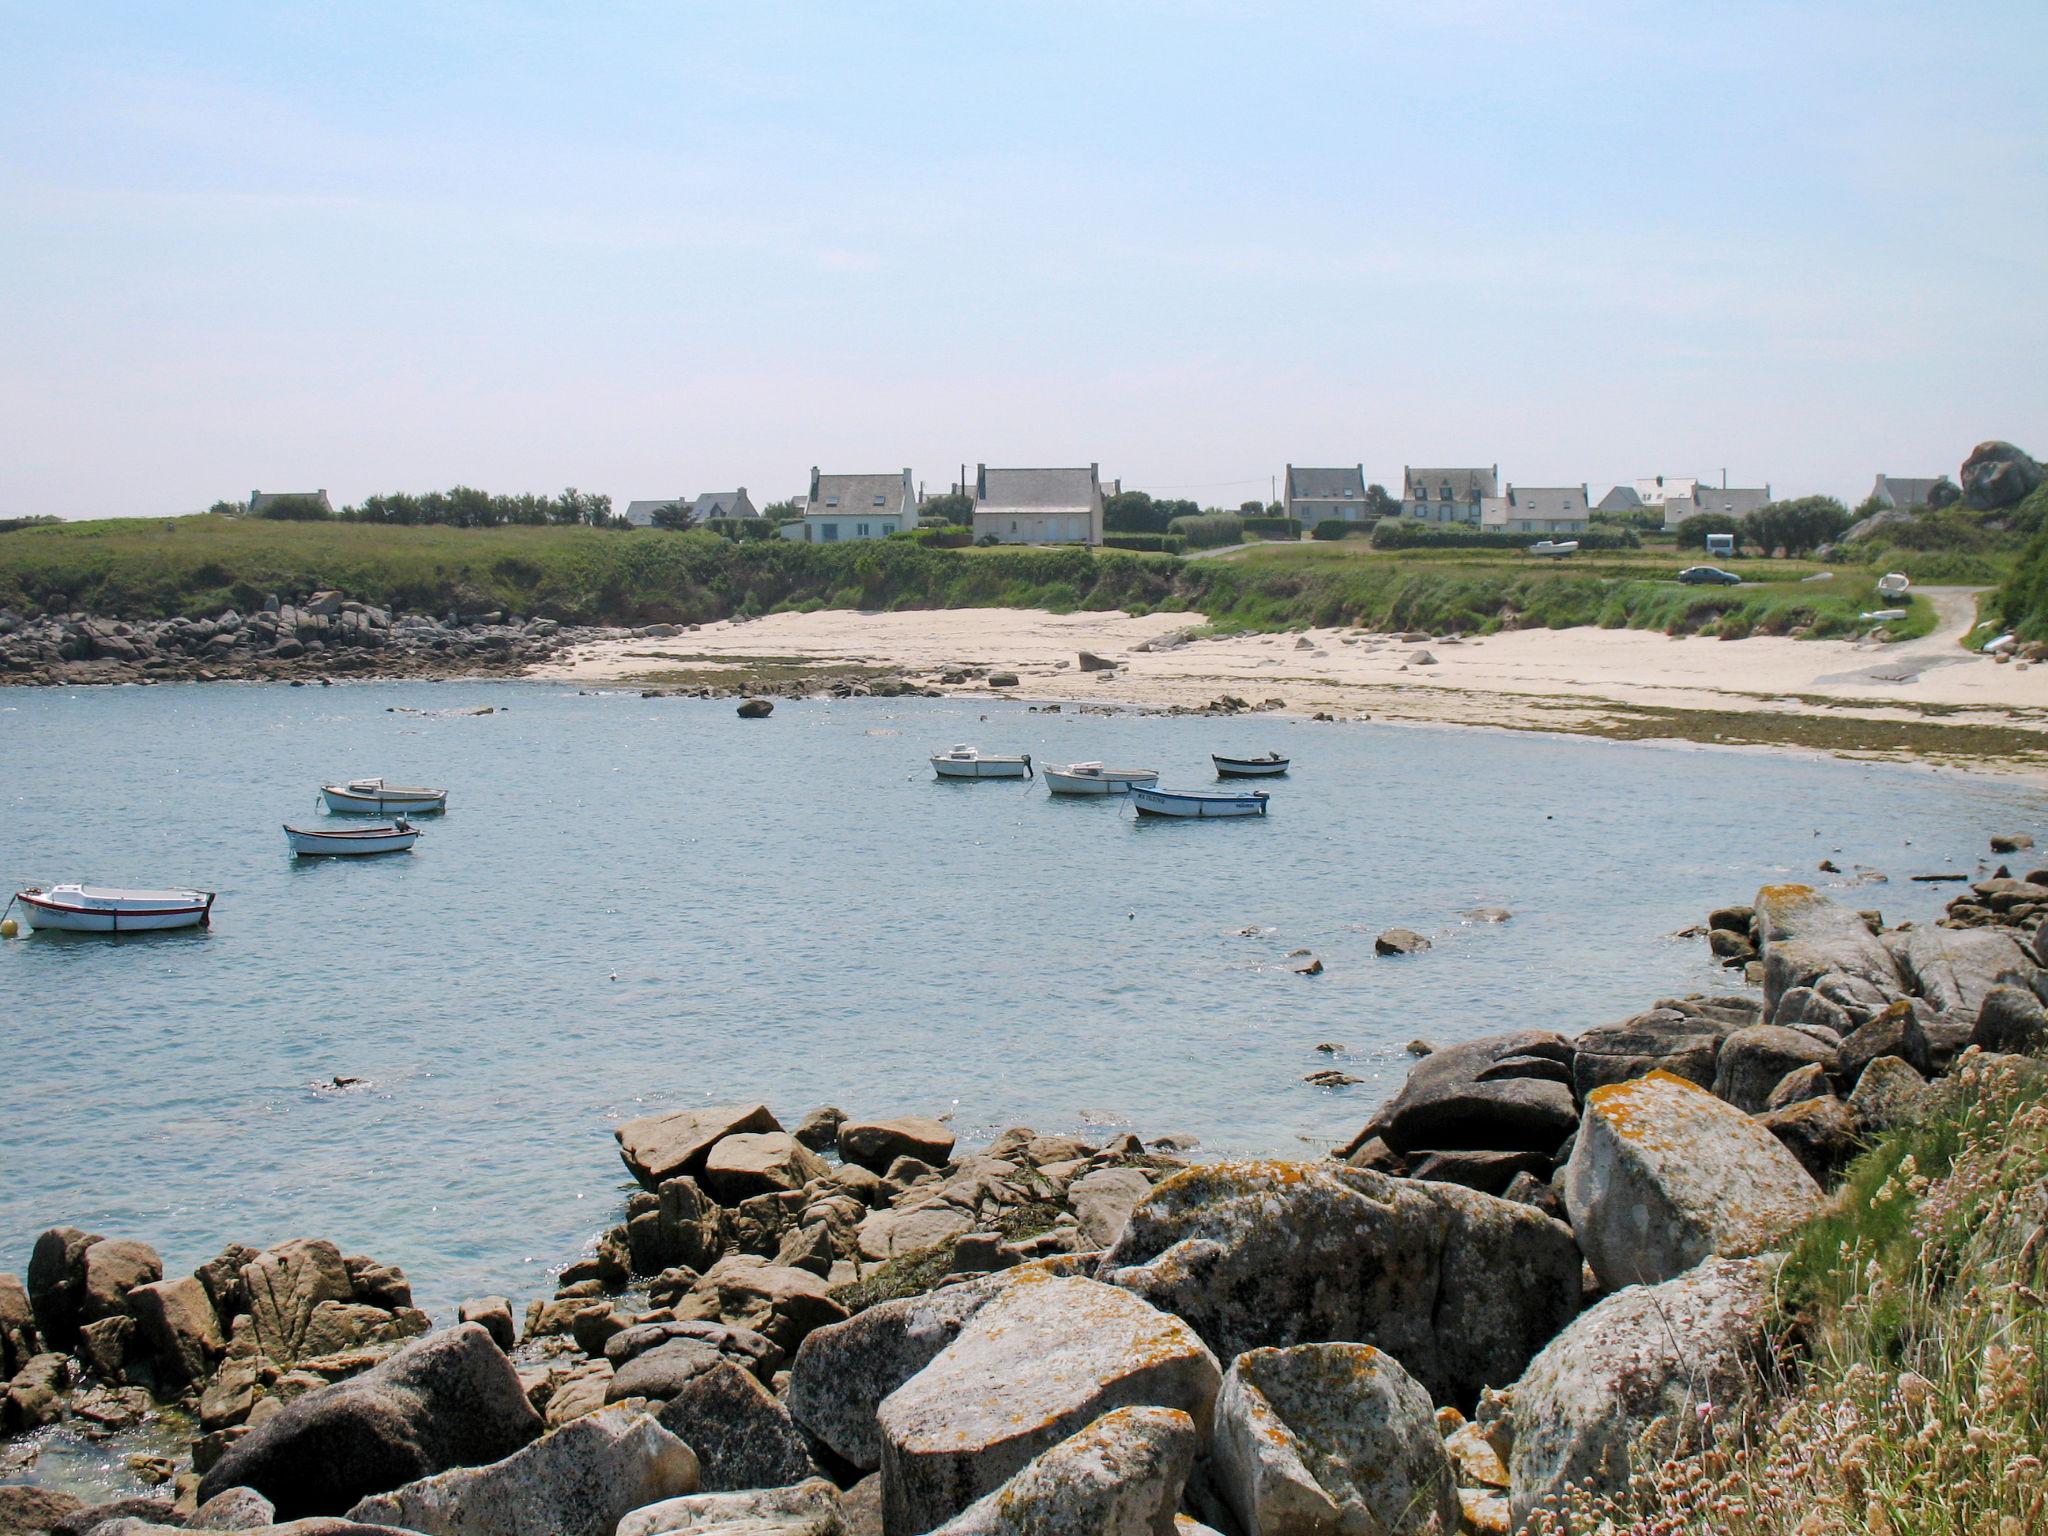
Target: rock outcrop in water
1047, 1335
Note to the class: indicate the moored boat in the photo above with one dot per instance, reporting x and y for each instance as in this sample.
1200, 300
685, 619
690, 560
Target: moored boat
1198, 803
373, 797
965, 762
1249, 767
310, 842
1094, 779
75, 908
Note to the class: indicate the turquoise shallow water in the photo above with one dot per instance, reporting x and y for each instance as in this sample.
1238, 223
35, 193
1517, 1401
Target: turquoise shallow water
636, 904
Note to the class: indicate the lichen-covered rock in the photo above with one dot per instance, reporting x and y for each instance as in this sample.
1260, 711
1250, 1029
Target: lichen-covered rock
1462, 1288
875, 1144
1679, 1036
1103, 1201
659, 1147
1120, 1476
1806, 936
29, 1510
1043, 1359
1460, 1096
579, 1480
843, 1372
2010, 1020
450, 1399
1799, 1085
1664, 1175
286, 1284
810, 1508
1646, 1354
780, 1303
1822, 1132
742, 1436
1753, 1061
1328, 1438
1883, 1034
1953, 968
759, 1163
1888, 1095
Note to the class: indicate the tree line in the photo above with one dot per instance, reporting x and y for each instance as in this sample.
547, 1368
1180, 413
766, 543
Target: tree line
1798, 527
463, 506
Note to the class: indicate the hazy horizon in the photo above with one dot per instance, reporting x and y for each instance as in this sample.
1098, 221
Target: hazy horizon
651, 252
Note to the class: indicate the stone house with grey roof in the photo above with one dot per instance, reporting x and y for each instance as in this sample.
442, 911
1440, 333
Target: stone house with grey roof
1544, 509
1038, 506
1448, 495
724, 504
842, 508
1901, 491
1324, 495
1736, 501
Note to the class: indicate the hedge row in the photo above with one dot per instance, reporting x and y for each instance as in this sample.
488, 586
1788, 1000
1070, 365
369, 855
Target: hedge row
1146, 543
1396, 533
1273, 527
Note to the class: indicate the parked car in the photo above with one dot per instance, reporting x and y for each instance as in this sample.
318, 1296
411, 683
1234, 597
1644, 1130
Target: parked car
1708, 576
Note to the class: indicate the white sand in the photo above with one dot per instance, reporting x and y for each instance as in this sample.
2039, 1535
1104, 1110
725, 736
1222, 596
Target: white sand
1555, 678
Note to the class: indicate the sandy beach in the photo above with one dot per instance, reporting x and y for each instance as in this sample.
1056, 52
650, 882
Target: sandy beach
1576, 679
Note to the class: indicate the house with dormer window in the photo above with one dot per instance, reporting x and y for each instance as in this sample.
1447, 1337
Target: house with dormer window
1324, 495
844, 508
1544, 509
1448, 495
1038, 506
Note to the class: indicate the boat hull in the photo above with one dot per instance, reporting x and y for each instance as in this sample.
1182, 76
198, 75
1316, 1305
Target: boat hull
1196, 807
54, 912
309, 844
1248, 767
983, 768
1109, 782
343, 801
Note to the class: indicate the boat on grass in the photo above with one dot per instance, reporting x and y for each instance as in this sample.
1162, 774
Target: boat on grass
1094, 779
965, 762
1249, 767
314, 842
1200, 804
75, 908
373, 797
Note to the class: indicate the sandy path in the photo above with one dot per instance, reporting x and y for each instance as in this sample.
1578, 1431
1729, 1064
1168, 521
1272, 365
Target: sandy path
1530, 677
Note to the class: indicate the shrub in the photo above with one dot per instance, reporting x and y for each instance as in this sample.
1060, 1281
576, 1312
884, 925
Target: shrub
1147, 543
739, 529
296, 509
1209, 530
1692, 533
1273, 527
1336, 528
1401, 534
944, 536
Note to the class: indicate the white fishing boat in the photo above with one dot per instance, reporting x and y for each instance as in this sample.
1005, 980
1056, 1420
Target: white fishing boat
1557, 549
965, 762
1249, 767
1198, 803
313, 842
105, 909
1094, 779
373, 797
1893, 584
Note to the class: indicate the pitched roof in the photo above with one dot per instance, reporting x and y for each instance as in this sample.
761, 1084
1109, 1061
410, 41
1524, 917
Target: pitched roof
1622, 498
1729, 501
858, 493
1907, 492
1465, 484
1067, 489
1658, 489
1346, 484
1554, 500
723, 504
641, 513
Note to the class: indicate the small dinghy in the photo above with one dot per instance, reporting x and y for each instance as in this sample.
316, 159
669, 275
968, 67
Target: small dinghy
1893, 584
105, 909
373, 797
313, 842
1248, 767
965, 762
1198, 803
1094, 779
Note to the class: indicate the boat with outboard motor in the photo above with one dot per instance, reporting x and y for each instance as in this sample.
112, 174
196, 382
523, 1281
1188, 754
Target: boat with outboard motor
315, 842
1094, 779
965, 762
76, 908
1198, 804
373, 797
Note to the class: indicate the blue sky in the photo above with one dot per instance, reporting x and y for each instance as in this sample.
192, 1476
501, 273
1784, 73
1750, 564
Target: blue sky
661, 248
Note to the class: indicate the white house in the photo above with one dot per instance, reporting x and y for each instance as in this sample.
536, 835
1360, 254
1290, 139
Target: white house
1655, 490
1448, 495
1728, 500
1038, 506
1324, 495
841, 508
1545, 509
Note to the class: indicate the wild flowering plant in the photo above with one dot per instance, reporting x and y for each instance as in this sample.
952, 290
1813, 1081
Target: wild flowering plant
1915, 1402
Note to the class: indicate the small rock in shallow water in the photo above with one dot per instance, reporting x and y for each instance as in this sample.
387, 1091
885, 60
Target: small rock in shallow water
1331, 1078
1400, 941
1329, 1047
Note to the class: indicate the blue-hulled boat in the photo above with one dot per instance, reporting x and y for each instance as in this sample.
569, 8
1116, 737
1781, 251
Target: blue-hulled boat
1197, 803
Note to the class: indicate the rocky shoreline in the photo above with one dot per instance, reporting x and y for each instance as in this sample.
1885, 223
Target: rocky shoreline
1544, 1259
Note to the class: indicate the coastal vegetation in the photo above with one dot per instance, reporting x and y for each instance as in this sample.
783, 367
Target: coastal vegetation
198, 566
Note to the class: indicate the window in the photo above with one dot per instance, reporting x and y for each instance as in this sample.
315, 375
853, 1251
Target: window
1347, 494
860, 530
831, 501
828, 532
881, 501
888, 528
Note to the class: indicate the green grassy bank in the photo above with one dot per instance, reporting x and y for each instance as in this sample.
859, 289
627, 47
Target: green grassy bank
151, 568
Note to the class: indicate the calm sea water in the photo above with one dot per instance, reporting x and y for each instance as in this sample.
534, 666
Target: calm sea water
636, 904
